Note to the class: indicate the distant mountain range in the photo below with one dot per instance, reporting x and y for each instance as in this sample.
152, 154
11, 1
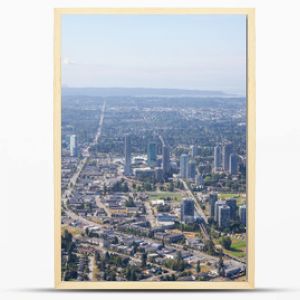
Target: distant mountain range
140, 92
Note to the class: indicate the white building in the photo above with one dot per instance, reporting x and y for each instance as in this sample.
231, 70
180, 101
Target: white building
226, 151
73, 145
243, 214
216, 209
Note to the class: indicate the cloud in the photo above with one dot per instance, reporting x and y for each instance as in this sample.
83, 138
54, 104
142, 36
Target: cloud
68, 61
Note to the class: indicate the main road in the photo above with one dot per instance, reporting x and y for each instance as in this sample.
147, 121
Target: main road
198, 209
86, 156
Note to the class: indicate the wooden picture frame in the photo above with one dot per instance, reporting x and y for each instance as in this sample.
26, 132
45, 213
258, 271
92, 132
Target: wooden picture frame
162, 285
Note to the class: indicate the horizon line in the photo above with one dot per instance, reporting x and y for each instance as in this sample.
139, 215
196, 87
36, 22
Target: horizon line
238, 93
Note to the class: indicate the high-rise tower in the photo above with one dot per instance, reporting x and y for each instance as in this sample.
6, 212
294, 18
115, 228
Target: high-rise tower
191, 169
226, 151
127, 165
184, 158
217, 157
73, 145
151, 154
166, 159
187, 210
233, 164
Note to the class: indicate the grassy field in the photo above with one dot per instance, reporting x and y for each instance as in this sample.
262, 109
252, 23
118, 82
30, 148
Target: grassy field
71, 229
238, 248
240, 198
227, 196
162, 195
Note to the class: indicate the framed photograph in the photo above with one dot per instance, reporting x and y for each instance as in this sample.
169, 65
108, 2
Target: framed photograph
154, 148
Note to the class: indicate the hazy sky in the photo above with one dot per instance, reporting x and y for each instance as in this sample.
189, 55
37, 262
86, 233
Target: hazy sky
206, 52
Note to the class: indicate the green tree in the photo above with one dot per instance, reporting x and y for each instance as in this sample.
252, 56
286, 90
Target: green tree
104, 275
97, 257
221, 267
115, 240
125, 187
111, 276
179, 262
147, 186
226, 242
107, 257
209, 246
130, 202
134, 246
144, 260
198, 267
151, 234
133, 276
171, 187
87, 231
67, 241
102, 266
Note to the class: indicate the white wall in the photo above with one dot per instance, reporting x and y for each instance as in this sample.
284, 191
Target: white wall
26, 169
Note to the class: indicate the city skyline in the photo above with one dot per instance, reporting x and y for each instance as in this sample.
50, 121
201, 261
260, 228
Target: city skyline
143, 187
154, 180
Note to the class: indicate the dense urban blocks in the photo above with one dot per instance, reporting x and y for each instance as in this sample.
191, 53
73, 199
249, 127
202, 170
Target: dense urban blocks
153, 188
